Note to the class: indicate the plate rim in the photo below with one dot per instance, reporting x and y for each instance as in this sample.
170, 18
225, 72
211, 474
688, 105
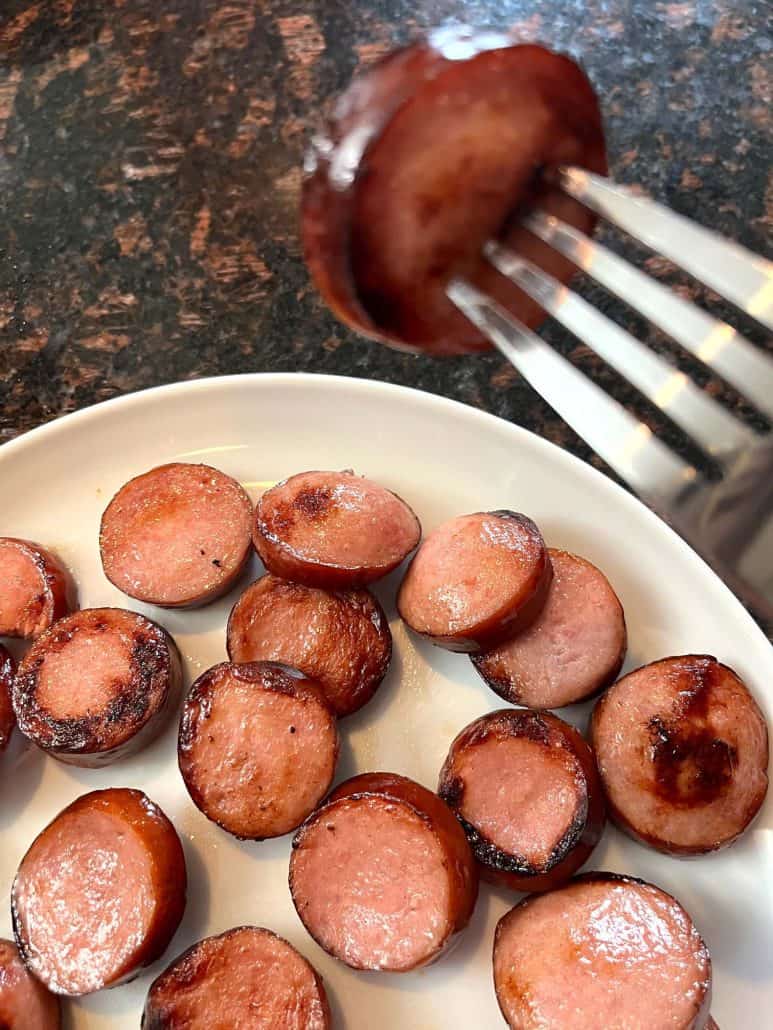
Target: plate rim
125, 401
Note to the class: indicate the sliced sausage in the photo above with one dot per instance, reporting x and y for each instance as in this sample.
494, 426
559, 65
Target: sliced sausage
100, 892
573, 649
476, 581
258, 747
25, 1004
244, 979
382, 875
98, 686
339, 639
35, 589
333, 530
682, 748
428, 154
603, 951
525, 789
7, 718
177, 536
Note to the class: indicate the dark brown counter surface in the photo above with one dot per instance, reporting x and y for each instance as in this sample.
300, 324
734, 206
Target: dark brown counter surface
150, 155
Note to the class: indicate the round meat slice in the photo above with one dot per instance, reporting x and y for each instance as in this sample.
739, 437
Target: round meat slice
382, 875
7, 718
682, 748
177, 536
98, 686
525, 788
100, 892
25, 1004
35, 589
258, 748
573, 649
333, 530
244, 979
341, 639
476, 581
603, 951
429, 153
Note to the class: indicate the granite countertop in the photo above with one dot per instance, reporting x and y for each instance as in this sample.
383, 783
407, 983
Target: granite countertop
150, 169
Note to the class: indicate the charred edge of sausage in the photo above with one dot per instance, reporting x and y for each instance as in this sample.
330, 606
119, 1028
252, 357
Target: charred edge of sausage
181, 973
492, 857
520, 725
154, 655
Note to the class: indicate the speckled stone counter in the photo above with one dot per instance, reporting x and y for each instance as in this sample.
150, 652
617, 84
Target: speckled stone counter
150, 168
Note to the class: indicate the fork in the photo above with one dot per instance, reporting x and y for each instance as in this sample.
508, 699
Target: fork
729, 522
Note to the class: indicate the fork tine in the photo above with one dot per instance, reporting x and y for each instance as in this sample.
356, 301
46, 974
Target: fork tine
731, 270
714, 343
627, 445
710, 425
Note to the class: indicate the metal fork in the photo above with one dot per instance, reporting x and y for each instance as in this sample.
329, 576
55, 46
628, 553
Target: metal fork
729, 522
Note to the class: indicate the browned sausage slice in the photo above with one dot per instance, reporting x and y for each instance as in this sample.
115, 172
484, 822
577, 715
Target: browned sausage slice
35, 589
573, 649
333, 530
177, 536
339, 639
382, 875
244, 978
100, 892
258, 747
98, 686
603, 951
25, 1004
476, 580
428, 154
682, 748
7, 718
525, 788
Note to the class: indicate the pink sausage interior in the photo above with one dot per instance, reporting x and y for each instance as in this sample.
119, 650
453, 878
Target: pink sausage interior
372, 884
79, 679
85, 900
521, 795
176, 534
600, 954
574, 646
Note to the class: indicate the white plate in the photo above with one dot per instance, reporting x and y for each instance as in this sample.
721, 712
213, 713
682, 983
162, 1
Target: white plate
445, 459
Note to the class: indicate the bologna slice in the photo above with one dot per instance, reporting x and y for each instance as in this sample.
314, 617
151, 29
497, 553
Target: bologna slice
340, 639
382, 875
244, 978
525, 788
177, 536
7, 718
429, 153
682, 748
476, 581
258, 747
573, 649
100, 892
98, 686
25, 1004
333, 530
603, 951
35, 589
